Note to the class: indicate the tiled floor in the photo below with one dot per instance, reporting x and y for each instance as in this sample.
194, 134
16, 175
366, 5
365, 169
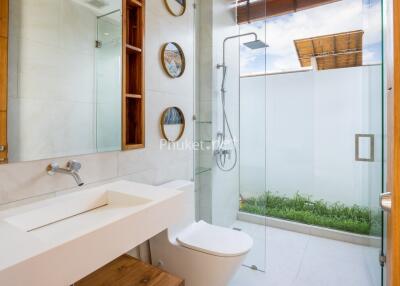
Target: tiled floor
294, 259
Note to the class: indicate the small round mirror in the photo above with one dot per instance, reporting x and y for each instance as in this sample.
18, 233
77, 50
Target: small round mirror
172, 124
173, 60
176, 7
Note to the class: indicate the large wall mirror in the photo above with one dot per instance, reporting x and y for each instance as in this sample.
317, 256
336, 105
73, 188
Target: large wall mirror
64, 78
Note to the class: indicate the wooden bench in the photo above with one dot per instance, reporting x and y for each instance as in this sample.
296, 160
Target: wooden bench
128, 271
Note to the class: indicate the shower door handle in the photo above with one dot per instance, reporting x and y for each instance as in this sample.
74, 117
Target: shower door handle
385, 201
371, 146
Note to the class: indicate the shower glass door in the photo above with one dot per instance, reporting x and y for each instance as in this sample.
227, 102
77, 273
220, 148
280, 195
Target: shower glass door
311, 145
320, 135
253, 141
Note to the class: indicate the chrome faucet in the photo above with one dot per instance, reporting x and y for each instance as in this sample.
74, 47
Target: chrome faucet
72, 169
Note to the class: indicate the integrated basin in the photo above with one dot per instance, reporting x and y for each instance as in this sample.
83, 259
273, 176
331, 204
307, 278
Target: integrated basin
70, 236
75, 214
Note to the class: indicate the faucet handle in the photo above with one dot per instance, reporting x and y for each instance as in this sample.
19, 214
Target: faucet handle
52, 168
73, 165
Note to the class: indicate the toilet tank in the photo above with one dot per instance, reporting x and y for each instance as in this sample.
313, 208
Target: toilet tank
188, 210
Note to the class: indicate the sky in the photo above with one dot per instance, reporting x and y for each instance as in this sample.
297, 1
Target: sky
280, 32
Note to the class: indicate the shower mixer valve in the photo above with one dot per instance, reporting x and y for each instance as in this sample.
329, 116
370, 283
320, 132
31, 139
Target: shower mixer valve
223, 152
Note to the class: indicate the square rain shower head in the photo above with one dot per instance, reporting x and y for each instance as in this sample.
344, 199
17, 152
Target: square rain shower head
257, 44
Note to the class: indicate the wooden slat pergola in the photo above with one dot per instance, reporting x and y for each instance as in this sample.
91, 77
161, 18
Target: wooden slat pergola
333, 51
253, 10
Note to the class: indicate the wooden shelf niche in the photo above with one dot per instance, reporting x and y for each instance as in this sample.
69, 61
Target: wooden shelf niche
133, 125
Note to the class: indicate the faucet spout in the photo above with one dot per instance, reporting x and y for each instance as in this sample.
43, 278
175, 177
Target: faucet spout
72, 169
78, 179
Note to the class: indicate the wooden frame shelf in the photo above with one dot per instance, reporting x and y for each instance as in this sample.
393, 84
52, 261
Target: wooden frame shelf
130, 48
133, 108
133, 95
135, 3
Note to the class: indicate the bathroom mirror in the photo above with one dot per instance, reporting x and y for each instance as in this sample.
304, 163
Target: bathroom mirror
172, 124
64, 79
173, 60
176, 7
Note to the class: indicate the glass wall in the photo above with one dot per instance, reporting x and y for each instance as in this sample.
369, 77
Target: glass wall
323, 138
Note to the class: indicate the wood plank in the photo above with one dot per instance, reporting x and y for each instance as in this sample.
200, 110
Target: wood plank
4, 18
263, 9
128, 271
131, 48
393, 167
3, 73
3, 137
135, 3
134, 146
138, 96
3, 79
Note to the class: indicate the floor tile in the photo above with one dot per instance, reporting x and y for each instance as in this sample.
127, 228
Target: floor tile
295, 259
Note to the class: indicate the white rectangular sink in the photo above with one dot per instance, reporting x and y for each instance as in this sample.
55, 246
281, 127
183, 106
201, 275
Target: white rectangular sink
68, 237
77, 207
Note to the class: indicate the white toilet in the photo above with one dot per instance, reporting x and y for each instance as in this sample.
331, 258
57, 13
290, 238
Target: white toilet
202, 254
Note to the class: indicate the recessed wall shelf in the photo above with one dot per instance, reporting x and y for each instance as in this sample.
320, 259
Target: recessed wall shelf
133, 133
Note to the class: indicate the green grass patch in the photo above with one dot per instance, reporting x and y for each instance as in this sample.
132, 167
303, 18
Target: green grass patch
304, 209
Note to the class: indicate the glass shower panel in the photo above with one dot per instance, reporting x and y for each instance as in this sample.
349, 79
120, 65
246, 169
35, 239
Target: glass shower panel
324, 131
108, 81
252, 170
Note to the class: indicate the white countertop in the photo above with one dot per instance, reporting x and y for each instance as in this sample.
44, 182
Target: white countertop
61, 240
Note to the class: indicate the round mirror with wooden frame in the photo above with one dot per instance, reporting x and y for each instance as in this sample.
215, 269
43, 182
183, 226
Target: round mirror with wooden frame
176, 7
173, 60
172, 124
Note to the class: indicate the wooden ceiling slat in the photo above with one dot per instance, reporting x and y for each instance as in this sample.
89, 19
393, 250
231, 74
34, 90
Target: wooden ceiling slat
331, 51
262, 9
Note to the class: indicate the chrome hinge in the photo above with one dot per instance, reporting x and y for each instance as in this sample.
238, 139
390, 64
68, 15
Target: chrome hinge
382, 259
99, 44
194, 117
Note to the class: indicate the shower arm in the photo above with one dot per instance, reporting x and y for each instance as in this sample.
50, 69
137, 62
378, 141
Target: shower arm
234, 37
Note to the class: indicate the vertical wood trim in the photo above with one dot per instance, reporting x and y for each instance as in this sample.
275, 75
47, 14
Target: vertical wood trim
393, 231
123, 91
3, 78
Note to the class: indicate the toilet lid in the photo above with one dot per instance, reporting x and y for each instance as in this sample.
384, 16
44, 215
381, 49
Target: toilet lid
215, 240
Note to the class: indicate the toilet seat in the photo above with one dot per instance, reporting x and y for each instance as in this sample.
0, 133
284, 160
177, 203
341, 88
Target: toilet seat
215, 240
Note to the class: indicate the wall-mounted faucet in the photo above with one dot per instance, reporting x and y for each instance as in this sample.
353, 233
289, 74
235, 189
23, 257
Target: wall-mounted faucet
72, 169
